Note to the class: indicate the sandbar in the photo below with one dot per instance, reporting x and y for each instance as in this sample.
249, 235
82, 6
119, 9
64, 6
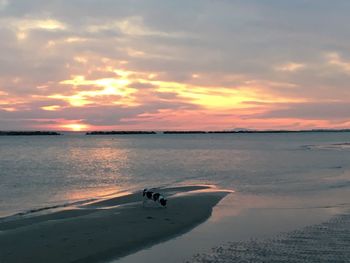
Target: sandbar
105, 229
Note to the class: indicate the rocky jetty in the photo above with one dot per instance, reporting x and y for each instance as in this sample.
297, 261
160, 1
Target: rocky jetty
27, 133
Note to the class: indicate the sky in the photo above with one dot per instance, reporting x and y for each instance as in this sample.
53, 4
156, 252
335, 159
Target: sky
174, 65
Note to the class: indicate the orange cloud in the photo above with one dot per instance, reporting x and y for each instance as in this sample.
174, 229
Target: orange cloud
117, 87
51, 108
201, 101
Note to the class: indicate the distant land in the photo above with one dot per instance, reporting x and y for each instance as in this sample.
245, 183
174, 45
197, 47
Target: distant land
213, 132
255, 131
27, 133
282, 131
38, 133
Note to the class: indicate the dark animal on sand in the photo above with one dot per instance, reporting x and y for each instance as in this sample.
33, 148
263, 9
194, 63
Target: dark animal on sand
156, 196
151, 198
163, 202
149, 195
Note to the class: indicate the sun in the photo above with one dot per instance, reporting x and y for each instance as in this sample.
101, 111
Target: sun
75, 127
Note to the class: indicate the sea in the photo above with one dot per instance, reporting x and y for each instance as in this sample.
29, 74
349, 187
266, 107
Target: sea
40, 173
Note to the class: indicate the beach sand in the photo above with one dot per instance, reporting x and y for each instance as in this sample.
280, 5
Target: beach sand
105, 229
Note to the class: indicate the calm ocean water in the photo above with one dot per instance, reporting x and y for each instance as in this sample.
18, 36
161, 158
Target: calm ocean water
37, 172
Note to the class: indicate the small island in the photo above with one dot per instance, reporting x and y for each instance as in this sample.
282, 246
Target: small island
286, 131
27, 133
119, 132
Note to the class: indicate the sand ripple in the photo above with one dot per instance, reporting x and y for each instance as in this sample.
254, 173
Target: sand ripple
326, 242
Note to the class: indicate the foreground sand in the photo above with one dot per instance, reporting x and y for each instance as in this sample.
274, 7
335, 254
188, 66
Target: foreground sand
105, 229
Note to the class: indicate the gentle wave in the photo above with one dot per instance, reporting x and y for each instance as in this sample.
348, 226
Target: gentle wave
335, 146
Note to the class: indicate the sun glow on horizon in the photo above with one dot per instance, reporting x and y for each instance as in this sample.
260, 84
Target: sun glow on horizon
75, 127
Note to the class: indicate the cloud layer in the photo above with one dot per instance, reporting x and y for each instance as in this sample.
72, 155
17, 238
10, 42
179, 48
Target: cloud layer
88, 64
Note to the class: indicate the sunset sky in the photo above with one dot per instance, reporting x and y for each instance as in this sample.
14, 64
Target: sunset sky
180, 65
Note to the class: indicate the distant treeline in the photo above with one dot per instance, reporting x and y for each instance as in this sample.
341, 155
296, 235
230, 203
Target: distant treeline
289, 131
211, 132
27, 133
255, 131
119, 132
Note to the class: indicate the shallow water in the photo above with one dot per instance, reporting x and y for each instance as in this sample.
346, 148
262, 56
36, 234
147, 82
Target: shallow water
38, 172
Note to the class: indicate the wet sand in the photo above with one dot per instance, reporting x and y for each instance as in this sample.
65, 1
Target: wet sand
325, 242
106, 229
257, 228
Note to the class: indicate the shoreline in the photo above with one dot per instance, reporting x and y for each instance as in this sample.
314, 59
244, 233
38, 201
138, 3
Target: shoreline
240, 219
105, 229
